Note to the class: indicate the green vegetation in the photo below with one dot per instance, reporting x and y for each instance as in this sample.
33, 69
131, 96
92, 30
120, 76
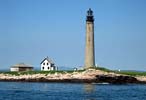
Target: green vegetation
131, 73
102, 69
12, 73
39, 72
32, 72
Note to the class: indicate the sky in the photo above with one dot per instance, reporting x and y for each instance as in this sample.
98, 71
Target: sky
31, 30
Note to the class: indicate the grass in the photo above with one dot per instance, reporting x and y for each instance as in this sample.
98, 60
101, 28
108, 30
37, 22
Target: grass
11, 73
131, 73
39, 72
102, 69
32, 72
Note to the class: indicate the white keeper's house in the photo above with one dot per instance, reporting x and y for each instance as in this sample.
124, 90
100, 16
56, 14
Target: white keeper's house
48, 65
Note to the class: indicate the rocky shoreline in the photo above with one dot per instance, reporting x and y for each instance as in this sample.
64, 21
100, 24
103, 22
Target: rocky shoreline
88, 76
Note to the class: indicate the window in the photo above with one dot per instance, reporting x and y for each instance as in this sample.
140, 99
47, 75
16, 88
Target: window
47, 63
52, 65
43, 63
42, 67
48, 68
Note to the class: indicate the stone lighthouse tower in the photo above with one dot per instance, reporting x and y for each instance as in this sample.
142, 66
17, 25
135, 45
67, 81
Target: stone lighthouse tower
89, 48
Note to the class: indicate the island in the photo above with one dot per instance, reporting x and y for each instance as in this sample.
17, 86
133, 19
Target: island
91, 75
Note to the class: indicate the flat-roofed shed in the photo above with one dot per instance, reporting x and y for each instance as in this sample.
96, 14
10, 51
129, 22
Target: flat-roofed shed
21, 67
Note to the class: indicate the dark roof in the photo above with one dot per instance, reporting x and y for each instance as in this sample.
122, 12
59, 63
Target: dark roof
22, 65
90, 12
48, 59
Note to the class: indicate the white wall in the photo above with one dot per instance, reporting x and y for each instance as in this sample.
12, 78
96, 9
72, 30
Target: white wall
14, 69
46, 66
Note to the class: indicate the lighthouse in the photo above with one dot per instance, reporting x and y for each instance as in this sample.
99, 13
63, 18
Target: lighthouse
89, 46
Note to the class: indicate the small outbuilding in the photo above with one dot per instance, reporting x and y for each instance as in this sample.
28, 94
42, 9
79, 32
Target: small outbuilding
47, 65
21, 67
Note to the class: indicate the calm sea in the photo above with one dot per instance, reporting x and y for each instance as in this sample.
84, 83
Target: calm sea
67, 91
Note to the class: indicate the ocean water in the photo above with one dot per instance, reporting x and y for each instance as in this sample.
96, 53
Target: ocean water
68, 91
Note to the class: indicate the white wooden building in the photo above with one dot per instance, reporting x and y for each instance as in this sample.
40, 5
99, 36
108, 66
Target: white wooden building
47, 65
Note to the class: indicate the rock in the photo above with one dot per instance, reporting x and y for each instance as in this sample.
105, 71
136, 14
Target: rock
116, 79
88, 76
